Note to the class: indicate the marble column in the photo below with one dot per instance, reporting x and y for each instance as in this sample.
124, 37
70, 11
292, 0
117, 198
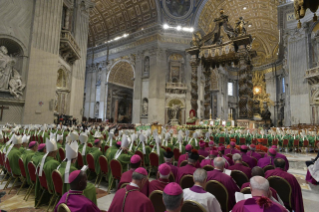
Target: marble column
116, 110
207, 101
194, 62
245, 84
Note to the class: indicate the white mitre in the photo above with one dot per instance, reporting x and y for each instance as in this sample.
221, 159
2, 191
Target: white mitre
25, 138
59, 137
83, 139
50, 147
53, 136
74, 136
124, 142
71, 152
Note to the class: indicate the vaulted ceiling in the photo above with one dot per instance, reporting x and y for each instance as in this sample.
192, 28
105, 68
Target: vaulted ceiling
111, 18
262, 16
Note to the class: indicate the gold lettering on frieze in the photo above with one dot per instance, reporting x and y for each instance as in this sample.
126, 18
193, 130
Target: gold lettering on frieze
291, 17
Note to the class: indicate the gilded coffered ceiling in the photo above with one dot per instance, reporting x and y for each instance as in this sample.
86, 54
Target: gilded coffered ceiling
122, 74
111, 18
262, 16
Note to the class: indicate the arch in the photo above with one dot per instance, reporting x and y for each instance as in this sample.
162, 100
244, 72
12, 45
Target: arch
22, 46
118, 67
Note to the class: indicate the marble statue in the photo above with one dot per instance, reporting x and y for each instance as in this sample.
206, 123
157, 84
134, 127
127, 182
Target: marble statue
174, 112
10, 79
146, 65
97, 109
145, 107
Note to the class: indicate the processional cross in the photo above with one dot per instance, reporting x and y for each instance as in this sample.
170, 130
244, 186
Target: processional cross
2, 108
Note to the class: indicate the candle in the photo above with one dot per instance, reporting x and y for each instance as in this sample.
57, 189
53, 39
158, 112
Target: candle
210, 111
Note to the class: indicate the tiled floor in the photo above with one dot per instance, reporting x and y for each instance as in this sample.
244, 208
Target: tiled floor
15, 203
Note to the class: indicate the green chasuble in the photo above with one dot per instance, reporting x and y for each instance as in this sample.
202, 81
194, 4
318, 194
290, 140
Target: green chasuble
26, 157
22, 150
148, 151
177, 147
58, 155
13, 157
89, 191
110, 153
37, 157
96, 152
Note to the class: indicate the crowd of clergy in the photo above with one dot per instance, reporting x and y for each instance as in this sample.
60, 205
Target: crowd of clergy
39, 145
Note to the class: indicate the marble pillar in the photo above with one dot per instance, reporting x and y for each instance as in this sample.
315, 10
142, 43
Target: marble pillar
116, 110
207, 99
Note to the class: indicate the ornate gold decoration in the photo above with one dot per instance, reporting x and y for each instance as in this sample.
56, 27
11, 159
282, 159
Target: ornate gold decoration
122, 74
260, 93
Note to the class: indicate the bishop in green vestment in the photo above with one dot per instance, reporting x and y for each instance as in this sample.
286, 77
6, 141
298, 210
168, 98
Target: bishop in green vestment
96, 153
37, 157
27, 157
13, 154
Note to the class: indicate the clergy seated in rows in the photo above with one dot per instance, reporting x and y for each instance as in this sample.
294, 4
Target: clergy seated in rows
250, 161
257, 171
158, 149
164, 171
37, 157
198, 194
173, 197
96, 153
279, 155
260, 146
253, 153
238, 165
169, 158
228, 161
202, 149
232, 149
2, 144
13, 154
27, 157
47, 164
84, 149
296, 195
218, 175
211, 146
68, 166
260, 200
144, 148
126, 177
74, 198
185, 156
130, 198
210, 161
269, 159
313, 170
190, 167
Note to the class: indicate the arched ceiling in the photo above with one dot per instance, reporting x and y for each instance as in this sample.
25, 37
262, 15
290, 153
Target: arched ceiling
111, 18
122, 74
261, 14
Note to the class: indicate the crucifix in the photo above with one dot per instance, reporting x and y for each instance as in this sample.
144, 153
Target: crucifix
2, 108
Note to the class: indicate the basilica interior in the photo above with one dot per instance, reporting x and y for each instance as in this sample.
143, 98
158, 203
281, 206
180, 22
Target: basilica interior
139, 64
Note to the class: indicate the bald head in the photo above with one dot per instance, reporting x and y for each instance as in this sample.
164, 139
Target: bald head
259, 186
257, 171
80, 182
280, 163
219, 163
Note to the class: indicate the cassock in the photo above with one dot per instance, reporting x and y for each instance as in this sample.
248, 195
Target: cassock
231, 151
132, 199
279, 155
174, 169
313, 173
228, 160
203, 152
227, 181
275, 207
261, 147
205, 162
77, 202
206, 199
185, 157
96, 152
266, 161
89, 192
250, 161
158, 184
241, 167
254, 154
184, 170
127, 178
27, 157
296, 196
13, 157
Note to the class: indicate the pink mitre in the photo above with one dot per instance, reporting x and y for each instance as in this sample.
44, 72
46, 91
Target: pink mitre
188, 147
74, 175
141, 170
135, 159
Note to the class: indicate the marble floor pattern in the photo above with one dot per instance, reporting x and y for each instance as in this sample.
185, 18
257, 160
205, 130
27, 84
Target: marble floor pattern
15, 203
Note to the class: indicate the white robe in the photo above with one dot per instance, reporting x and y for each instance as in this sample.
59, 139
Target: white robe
207, 200
314, 170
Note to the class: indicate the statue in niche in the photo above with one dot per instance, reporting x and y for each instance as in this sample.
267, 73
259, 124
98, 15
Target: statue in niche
146, 65
10, 79
145, 107
97, 109
174, 109
99, 77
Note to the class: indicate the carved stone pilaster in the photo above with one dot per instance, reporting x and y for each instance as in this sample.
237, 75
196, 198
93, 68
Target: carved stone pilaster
194, 87
207, 102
